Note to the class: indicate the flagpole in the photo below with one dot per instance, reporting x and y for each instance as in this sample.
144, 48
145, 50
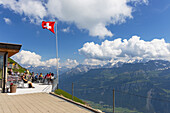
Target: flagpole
56, 81
57, 55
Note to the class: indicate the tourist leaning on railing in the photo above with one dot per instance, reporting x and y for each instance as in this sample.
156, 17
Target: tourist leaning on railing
52, 78
37, 77
40, 77
48, 77
32, 77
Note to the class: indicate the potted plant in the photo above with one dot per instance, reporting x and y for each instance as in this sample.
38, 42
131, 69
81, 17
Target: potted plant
13, 88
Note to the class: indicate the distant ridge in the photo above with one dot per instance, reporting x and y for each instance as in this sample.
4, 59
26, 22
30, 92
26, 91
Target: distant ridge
150, 79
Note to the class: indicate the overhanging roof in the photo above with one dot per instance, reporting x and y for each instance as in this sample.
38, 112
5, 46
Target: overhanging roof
10, 48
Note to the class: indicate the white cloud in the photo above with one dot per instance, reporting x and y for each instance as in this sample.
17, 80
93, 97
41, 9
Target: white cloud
27, 59
92, 15
131, 49
34, 9
66, 30
51, 62
7, 20
94, 62
24, 19
69, 63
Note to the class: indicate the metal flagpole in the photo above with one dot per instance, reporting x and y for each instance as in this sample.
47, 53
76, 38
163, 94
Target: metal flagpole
57, 56
56, 82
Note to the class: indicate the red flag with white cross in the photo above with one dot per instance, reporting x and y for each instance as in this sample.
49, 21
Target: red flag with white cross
48, 25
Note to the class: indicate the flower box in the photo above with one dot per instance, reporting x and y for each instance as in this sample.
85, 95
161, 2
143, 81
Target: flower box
13, 88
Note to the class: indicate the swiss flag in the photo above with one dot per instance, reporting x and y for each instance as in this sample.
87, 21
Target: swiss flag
48, 25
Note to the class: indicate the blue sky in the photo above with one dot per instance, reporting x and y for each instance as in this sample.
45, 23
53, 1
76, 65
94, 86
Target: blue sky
149, 20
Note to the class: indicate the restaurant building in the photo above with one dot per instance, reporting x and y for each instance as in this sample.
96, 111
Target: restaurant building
6, 50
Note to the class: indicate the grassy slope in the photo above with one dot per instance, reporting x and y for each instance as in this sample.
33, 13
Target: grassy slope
109, 109
21, 69
67, 95
106, 108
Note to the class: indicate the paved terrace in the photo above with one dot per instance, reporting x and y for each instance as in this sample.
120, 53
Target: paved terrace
39, 88
37, 103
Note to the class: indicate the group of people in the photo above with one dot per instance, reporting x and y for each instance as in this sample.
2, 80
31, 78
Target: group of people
26, 77
49, 77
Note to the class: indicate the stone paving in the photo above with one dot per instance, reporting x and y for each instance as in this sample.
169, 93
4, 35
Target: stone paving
38, 89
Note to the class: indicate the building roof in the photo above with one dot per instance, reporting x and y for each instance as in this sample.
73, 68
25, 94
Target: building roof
10, 48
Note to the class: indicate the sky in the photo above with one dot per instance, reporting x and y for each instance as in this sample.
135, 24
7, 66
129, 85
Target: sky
93, 32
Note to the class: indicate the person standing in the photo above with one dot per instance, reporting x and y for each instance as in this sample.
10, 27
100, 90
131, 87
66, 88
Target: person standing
40, 77
32, 77
48, 77
52, 78
37, 77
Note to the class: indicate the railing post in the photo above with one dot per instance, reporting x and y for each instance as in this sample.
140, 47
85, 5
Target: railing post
113, 101
72, 90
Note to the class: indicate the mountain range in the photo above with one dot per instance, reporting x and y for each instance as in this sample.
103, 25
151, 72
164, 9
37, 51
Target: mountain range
79, 68
143, 87
44, 69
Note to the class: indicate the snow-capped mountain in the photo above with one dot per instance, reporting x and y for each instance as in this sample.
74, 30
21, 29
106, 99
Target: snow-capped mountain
158, 65
45, 70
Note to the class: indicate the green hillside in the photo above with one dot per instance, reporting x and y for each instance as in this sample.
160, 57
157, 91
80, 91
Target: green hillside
149, 80
109, 109
21, 69
69, 96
